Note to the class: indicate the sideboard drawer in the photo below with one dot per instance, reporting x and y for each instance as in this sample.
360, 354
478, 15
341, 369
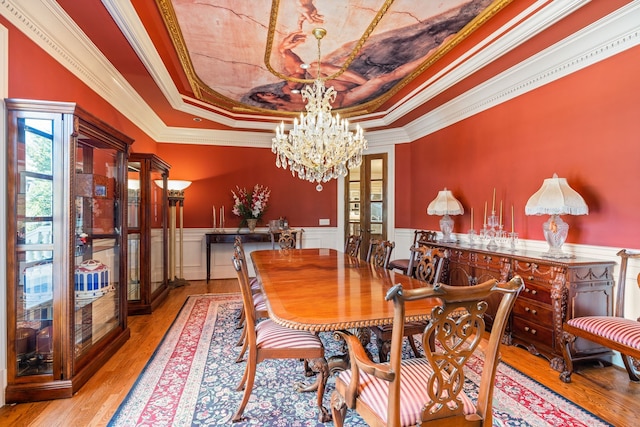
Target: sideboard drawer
533, 333
536, 292
532, 311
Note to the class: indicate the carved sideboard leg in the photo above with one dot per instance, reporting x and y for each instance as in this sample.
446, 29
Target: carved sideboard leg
567, 340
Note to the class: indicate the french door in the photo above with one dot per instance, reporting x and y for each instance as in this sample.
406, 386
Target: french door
366, 200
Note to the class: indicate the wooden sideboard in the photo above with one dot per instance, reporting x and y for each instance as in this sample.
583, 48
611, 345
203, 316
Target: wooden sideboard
555, 290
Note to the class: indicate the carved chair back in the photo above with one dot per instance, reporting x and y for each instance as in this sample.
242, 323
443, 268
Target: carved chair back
352, 245
287, 239
379, 253
436, 395
426, 263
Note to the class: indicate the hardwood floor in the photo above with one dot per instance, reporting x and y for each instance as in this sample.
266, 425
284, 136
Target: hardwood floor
606, 392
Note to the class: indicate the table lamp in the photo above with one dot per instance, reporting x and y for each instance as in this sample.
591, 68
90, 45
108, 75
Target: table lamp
556, 198
445, 204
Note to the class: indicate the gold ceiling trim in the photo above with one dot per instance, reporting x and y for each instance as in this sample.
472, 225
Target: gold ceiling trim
206, 94
275, 6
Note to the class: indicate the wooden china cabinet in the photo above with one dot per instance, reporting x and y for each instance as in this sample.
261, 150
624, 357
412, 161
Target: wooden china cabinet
66, 257
147, 214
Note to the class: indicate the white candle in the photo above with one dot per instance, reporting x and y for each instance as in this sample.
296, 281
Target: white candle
493, 204
485, 213
214, 216
512, 225
500, 213
472, 218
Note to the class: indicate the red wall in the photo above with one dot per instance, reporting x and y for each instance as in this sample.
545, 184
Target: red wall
584, 127
215, 171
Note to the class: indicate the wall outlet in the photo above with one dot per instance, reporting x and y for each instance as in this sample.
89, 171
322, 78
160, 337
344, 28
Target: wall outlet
324, 221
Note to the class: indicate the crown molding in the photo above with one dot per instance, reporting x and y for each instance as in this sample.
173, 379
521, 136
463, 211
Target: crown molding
607, 37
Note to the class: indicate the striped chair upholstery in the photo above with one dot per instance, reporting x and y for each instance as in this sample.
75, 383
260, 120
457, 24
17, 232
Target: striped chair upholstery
374, 392
611, 332
429, 390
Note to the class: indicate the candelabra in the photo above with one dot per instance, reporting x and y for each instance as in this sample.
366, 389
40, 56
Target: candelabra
492, 230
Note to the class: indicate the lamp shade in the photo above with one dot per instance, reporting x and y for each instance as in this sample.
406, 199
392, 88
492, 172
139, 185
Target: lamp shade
445, 204
556, 197
177, 185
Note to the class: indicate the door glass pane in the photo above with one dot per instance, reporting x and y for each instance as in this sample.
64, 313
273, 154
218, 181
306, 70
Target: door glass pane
376, 190
354, 191
376, 231
35, 281
376, 212
377, 169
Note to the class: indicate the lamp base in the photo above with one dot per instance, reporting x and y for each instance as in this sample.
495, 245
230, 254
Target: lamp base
176, 283
555, 233
446, 226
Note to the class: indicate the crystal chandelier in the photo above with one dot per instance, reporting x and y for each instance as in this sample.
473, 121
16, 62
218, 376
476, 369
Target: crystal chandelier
319, 147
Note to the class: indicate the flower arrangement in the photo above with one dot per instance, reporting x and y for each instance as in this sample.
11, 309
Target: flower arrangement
250, 205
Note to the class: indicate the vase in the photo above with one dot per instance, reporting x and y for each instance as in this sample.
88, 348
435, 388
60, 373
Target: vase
251, 223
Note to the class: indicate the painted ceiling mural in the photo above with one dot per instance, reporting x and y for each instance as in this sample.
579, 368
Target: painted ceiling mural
257, 55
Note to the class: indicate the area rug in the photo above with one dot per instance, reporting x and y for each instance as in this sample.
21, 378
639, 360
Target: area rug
192, 376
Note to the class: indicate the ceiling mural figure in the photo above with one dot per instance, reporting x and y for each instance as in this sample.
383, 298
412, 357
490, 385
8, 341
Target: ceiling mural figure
372, 48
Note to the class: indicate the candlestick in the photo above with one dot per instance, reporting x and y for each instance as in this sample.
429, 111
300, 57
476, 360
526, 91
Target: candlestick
512, 226
500, 223
493, 204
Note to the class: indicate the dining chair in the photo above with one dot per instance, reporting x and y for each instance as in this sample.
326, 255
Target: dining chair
259, 302
611, 332
420, 238
429, 391
426, 264
288, 239
269, 340
379, 252
352, 245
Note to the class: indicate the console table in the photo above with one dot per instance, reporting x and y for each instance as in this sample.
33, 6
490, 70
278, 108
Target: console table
555, 290
229, 237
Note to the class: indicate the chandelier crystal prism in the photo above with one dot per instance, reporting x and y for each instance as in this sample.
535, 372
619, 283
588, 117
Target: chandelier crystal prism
319, 147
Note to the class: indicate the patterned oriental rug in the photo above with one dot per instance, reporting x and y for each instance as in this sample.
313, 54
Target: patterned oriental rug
191, 379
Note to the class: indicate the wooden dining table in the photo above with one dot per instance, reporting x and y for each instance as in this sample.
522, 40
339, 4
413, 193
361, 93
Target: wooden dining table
327, 290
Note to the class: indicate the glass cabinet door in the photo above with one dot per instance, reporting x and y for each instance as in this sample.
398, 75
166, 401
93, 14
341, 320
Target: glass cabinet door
33, 286
147, 232
98, 236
